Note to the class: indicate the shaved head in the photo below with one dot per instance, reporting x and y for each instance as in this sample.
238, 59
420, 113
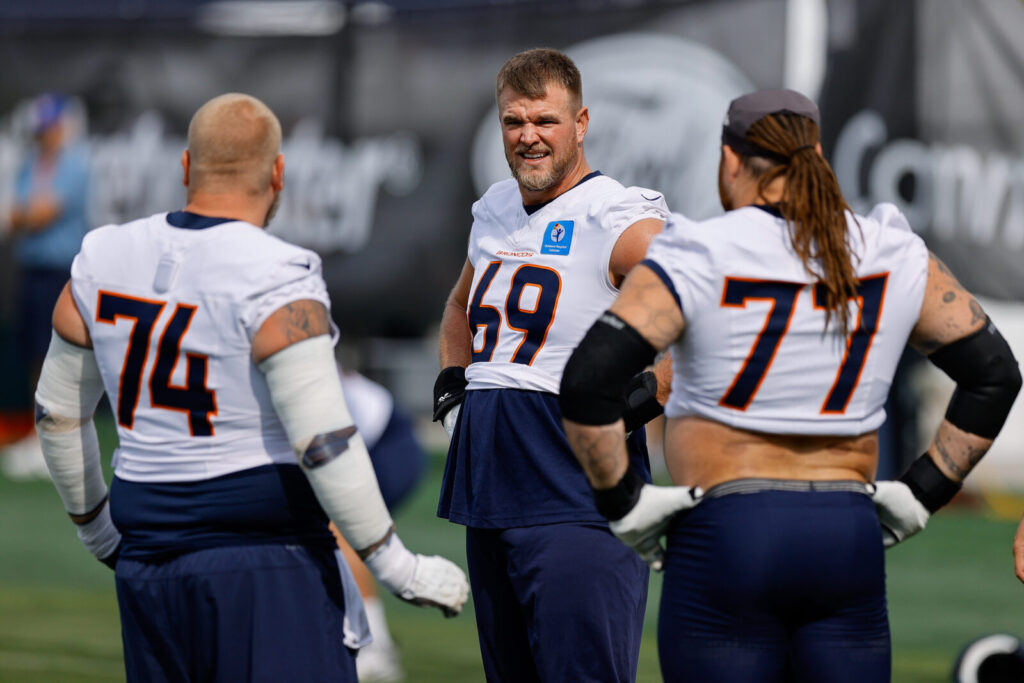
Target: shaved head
233, 141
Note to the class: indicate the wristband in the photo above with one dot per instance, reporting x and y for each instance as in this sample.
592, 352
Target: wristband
928, 484
616, 502
449, 390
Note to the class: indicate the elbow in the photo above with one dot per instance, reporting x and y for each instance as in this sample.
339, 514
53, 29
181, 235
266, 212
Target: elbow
583, 398
594, 381
1013, 383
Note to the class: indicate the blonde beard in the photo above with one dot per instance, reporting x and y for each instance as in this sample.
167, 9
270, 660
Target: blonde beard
559, 168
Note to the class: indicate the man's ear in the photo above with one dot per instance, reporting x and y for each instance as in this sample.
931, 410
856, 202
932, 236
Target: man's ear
277, 174
185, 160
582, 123
732, 161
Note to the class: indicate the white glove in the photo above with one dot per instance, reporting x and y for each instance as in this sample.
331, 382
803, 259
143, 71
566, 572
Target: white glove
427, 581
644, 525
449, 420
900, 513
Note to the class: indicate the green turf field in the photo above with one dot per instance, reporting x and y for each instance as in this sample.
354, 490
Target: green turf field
58, 618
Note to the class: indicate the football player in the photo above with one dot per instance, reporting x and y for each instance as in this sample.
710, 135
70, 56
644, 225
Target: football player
547, 250
786, 318
213, 342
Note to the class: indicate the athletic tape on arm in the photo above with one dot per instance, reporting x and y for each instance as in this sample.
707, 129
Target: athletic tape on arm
308, 398
69, 389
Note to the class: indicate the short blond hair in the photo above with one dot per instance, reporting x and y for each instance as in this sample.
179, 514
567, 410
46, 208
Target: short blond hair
233, 141
529, 73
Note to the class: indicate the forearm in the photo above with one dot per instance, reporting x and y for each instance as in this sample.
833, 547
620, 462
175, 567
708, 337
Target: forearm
455, 346
956, 452
69, 390
308, 399
306, 391
592, 393
988, 381
600, 450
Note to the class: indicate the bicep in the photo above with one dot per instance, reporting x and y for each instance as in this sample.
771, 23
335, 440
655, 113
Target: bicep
631, 247
289, 324
68, 321
459, 296
649, 307
454, 343
948, 313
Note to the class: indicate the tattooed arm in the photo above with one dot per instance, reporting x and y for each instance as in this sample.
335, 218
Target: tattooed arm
290, 324
949, 313
644, 319
647, 305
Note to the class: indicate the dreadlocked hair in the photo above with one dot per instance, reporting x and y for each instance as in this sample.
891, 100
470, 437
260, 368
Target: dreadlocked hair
812, 204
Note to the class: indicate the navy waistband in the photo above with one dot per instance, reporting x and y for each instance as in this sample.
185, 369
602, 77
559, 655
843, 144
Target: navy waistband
755, 485
267, 504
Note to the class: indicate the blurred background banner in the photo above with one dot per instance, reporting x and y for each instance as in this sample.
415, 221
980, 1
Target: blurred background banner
391, 129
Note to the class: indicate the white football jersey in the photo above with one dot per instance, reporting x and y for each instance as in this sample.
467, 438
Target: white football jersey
172, 312
755, 353
540, 280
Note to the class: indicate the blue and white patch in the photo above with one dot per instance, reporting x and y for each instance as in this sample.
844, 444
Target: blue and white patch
557, 238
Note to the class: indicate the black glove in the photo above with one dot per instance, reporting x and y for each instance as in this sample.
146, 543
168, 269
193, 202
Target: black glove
641, 399
449, 390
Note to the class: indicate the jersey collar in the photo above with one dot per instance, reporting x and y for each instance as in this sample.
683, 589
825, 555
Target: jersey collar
534, 208
772, 209
194, 221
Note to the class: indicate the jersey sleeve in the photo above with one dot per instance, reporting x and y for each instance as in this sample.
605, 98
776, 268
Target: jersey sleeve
83, 287
889, 216
679, 259
635, 204
297, 276
901, 245
480, 216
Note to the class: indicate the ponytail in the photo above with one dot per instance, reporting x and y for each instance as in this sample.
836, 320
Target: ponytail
812, 204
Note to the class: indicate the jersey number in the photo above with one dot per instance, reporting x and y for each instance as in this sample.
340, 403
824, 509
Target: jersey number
870, 292
193, 398
534, 323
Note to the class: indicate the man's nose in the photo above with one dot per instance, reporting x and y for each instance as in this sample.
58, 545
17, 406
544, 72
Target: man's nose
529, 134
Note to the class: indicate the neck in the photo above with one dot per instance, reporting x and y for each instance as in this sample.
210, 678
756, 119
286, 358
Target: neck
579, 171
745, 193
237, 206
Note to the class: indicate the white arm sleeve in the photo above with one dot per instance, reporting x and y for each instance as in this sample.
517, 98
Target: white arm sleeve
69, 389
304, 386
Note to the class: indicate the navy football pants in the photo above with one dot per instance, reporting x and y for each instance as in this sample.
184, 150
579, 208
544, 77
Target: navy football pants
236, 614
775, 586
557, 603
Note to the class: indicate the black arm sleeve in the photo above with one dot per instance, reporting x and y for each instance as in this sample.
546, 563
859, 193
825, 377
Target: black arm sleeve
596, 376
987, 380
